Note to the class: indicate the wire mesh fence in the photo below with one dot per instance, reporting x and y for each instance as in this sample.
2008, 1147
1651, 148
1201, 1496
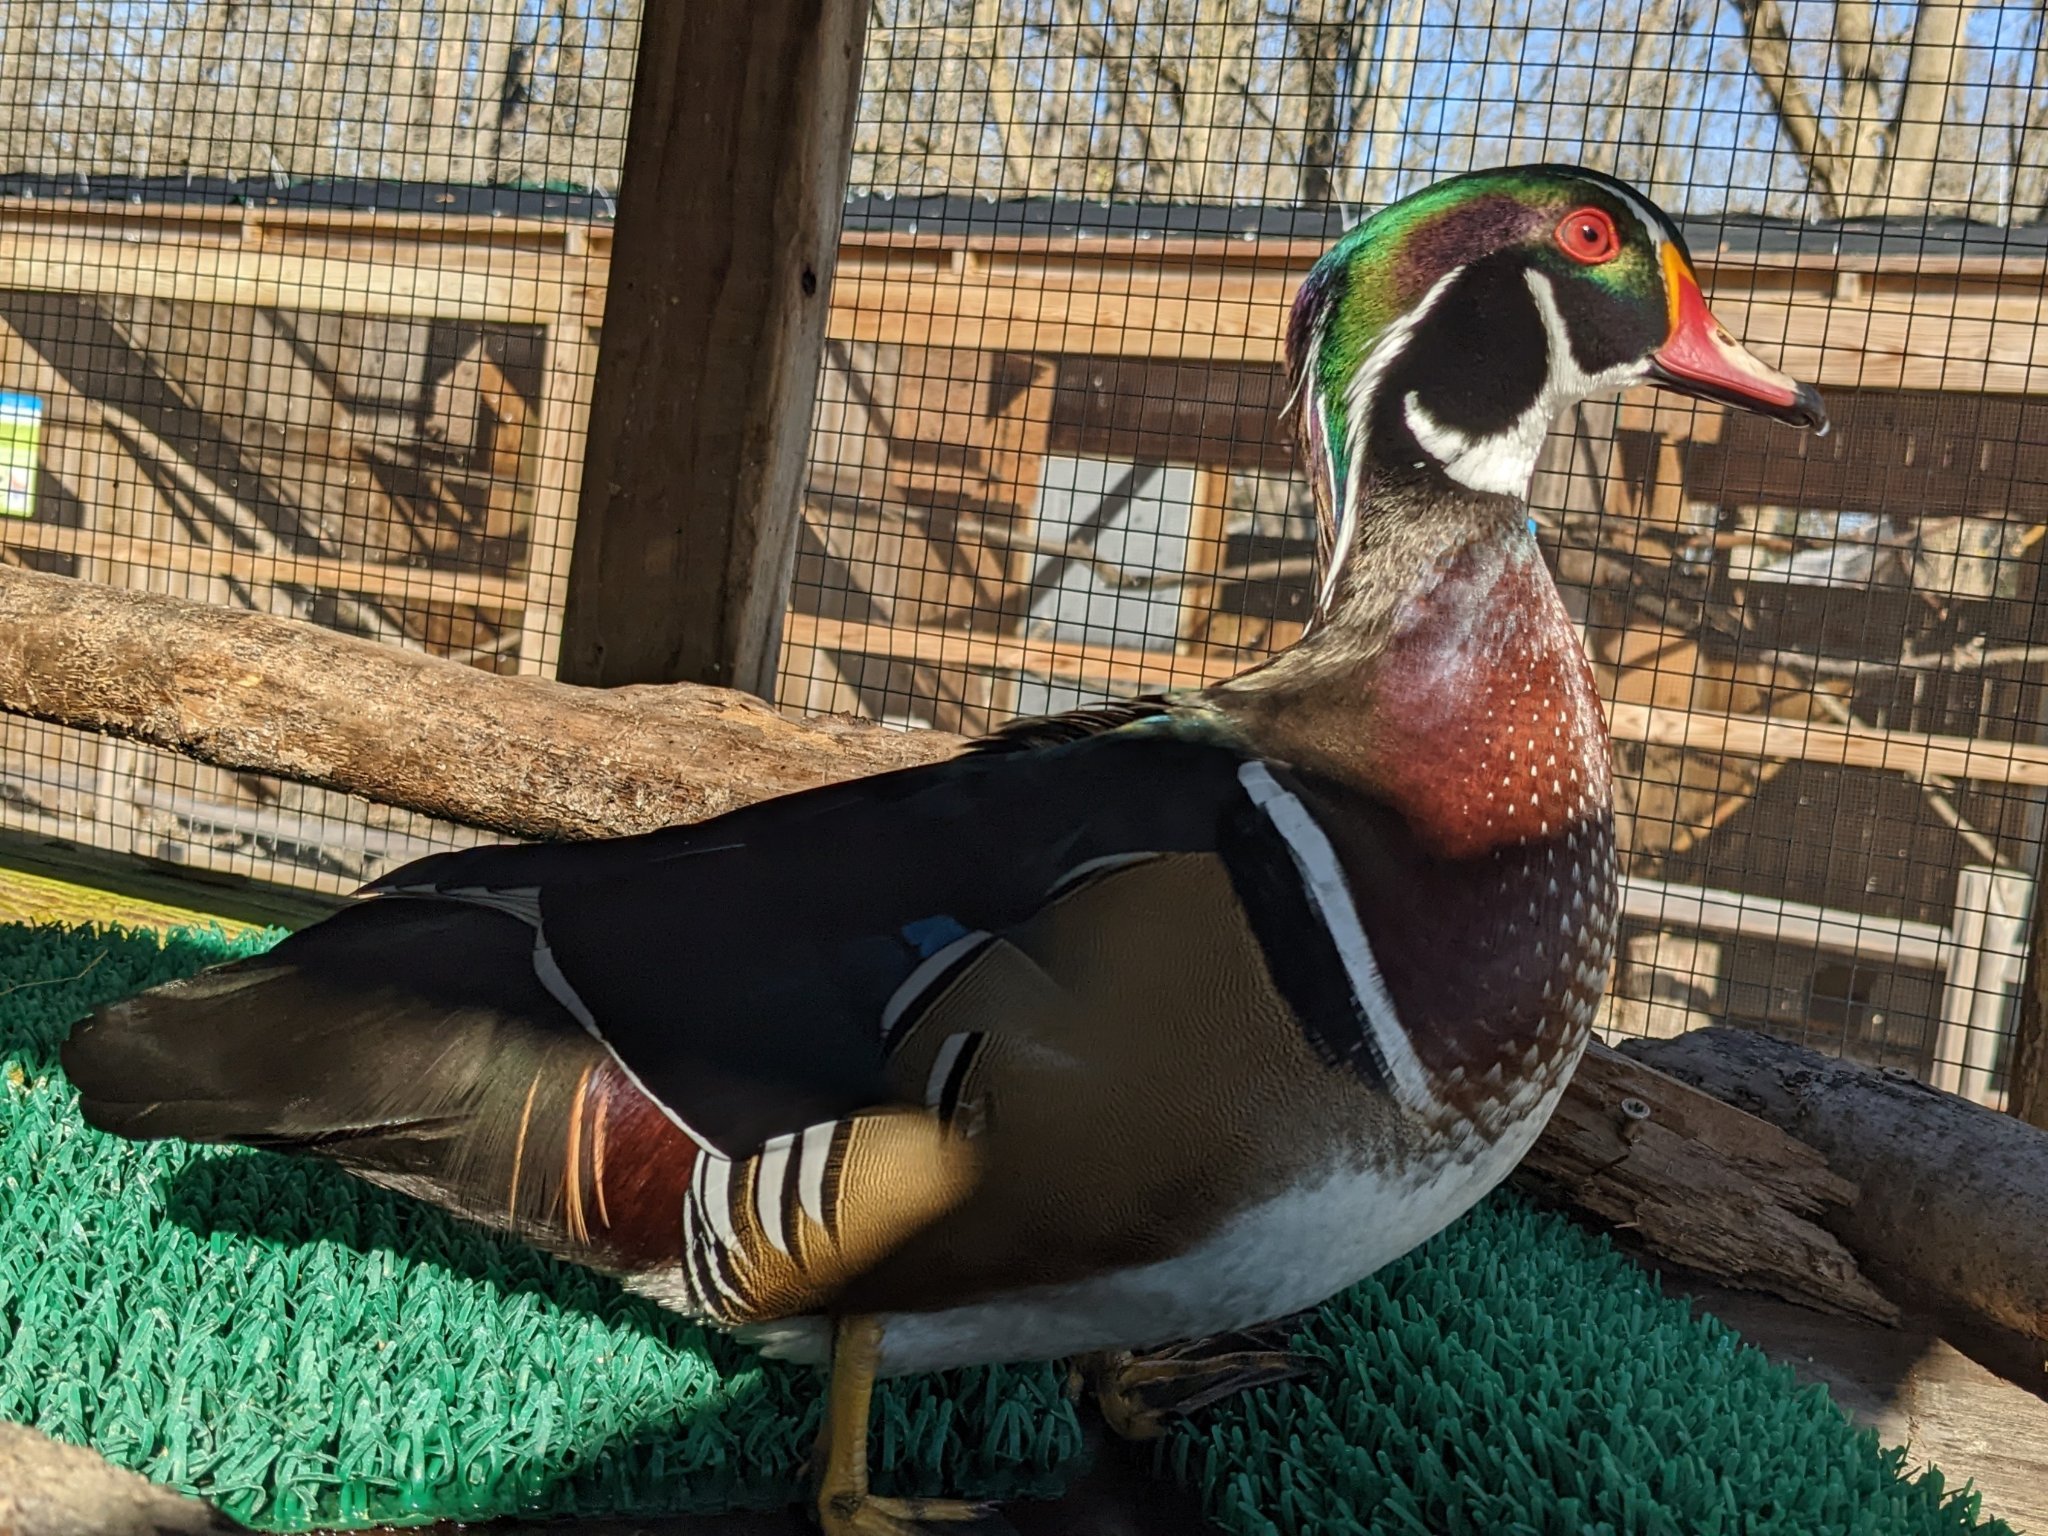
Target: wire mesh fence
298, 312
1049, 467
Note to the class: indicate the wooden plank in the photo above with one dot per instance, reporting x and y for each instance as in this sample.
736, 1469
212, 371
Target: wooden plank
307, 227
1937, 324
400, 583
1890, 941
722, 265
1206, 520
1125, 666
398, 279
568, 367
1158, 410
305, 222
2026, 1087
1909, 752
1221, 314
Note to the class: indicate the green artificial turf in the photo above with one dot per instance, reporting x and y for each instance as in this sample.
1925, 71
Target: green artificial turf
306, 1350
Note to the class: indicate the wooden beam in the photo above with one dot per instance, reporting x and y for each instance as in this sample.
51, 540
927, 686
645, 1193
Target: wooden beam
398, 279
721, 276
2026, 1081
1909, 752
394, 583
955, 650
568, 366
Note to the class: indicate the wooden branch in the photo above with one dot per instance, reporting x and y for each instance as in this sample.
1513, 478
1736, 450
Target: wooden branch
1700, 1184
1952, 1208
521, 756
1769, 42
48, 1488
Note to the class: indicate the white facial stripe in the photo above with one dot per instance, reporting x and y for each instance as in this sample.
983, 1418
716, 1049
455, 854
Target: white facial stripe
1502, 462
1653, 224
1359, 397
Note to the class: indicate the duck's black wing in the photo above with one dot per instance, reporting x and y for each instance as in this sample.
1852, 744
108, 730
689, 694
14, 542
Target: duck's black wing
588, 1043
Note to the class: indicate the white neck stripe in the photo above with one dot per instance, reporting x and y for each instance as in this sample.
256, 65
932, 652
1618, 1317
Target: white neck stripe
1359, 398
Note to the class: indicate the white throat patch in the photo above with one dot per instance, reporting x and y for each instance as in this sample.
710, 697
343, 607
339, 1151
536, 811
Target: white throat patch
1502, 462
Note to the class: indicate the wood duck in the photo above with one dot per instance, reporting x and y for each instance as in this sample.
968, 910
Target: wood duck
1134, 1025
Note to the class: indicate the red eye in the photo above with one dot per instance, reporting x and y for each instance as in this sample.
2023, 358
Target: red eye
1588, 235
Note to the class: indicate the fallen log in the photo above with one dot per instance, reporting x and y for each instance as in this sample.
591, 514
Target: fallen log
1700, 1184
537, 759
51, 1489
517, 755
1952, 1209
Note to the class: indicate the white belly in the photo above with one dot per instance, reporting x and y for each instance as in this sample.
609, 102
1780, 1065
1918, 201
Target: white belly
1288, 1254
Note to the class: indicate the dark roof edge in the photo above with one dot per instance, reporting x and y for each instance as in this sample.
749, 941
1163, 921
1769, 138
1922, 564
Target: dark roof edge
957, 215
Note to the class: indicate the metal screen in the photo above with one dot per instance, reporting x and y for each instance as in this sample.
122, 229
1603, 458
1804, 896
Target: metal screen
296, 315
1049, 469
298, 308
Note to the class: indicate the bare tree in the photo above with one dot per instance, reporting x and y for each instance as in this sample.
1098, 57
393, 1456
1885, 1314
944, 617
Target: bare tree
1891, 100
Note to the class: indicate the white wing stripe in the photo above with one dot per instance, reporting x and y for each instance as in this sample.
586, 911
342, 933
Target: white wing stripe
929, 970
771, 1169
551, 977
717, 1175
1331, 893
942, 1068
814, 1150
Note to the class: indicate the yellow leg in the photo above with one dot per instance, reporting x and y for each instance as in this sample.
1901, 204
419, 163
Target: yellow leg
845, 1507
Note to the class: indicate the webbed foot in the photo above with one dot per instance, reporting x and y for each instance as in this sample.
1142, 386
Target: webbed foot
1139, 1393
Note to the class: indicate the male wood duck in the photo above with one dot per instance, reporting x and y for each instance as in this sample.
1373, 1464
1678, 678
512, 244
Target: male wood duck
1135, 1025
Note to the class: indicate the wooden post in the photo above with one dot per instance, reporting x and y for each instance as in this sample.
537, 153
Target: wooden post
2026, 1080
1206, 521
729, 209
566, 374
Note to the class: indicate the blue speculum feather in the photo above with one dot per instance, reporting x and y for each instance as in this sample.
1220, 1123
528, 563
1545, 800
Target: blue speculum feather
929, 935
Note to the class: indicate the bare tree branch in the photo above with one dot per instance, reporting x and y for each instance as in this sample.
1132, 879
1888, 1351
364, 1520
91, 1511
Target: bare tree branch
1769, 42
1931, 69
1021, 166
2030, 173
1377, 147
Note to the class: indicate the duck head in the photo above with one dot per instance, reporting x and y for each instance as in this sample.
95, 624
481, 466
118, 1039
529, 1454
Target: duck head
1436, 343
